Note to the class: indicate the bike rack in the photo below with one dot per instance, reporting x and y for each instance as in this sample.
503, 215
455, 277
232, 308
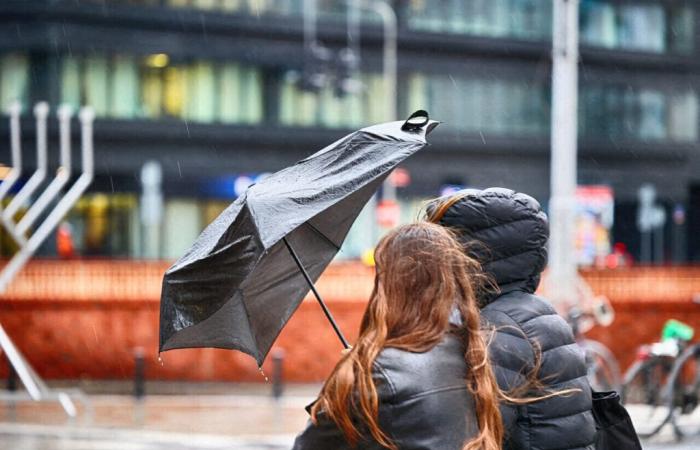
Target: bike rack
37, 390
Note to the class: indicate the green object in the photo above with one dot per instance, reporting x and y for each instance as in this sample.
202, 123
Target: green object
674, 329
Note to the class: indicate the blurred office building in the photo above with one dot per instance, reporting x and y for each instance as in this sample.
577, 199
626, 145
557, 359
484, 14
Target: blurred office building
196, 99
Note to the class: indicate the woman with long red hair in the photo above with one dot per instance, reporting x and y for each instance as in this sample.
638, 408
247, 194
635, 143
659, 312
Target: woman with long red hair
418, 376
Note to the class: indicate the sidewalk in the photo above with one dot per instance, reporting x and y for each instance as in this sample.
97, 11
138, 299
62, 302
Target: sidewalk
182, 416
208, 416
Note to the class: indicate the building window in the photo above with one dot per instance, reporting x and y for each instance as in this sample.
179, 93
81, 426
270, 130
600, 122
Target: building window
644, 26
154, 87
519, 19
103, 224
647, 114
14, 79
502, 106
326, 109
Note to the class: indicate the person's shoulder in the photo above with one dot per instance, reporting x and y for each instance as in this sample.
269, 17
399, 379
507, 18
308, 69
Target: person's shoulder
395, 359
518, 306
412, 373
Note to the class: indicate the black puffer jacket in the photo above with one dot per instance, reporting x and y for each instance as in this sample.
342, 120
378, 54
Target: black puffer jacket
424, 403
511, 231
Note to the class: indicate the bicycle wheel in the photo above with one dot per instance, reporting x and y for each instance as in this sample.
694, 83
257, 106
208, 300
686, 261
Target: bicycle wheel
644, 395
603, 369
685, 379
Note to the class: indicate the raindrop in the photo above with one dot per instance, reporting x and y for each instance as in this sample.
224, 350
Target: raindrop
453, 81
160, 360
263, 374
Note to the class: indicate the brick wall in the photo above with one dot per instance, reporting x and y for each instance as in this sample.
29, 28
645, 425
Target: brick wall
85, 318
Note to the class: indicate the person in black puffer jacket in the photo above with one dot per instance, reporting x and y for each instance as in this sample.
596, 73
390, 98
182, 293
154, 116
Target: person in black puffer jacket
507, 232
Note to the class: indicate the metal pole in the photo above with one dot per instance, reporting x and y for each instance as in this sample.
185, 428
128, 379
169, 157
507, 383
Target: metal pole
41, 111
35, 387
659, 245
562, 262
390, 67
318, 296
61, 209
139, 373
62, 175
277, 373
310, 14
353, 23
16, 145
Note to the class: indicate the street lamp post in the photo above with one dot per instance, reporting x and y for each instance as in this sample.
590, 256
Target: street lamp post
562, 262
390, 69
389, 60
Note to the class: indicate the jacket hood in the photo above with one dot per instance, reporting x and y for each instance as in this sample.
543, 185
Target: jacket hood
506, 231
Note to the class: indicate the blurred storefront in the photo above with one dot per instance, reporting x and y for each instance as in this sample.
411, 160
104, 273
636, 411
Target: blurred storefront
211, 90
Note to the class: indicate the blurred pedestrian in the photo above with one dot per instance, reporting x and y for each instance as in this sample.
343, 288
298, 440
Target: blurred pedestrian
415, 379
507, 232
64, 241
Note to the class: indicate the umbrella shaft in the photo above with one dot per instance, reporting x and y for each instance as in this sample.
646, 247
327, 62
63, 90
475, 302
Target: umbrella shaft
318, 296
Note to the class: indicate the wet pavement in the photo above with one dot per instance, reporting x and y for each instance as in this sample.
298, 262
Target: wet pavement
180, 416
183, 417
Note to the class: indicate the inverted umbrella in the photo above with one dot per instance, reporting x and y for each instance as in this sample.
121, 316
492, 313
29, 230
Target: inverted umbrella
249, 270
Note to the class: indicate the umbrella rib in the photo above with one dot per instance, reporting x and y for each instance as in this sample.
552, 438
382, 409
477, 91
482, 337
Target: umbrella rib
318, 296
325, 238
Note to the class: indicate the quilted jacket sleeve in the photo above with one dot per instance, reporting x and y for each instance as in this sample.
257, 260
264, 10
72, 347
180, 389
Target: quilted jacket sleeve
530, 339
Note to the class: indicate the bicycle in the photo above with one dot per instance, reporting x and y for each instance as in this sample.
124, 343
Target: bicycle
645, 390
682, 390
602, 368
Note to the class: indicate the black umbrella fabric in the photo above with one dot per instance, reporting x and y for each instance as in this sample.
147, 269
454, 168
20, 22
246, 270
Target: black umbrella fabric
249, 270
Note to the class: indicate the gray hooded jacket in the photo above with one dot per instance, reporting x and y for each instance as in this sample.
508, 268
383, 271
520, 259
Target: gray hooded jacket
511, 233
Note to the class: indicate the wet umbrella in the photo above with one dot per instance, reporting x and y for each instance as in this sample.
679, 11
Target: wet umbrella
249, 270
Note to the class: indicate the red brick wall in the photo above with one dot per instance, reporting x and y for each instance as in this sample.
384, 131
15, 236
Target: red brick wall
84, 319
89, 339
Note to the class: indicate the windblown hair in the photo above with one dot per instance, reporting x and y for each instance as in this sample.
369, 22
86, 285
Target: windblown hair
435, 209
485, 287
422, 273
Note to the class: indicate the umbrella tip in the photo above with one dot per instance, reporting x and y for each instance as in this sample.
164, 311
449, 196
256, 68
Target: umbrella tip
416, 121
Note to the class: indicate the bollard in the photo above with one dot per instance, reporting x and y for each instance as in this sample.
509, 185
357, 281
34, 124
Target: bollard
277, 373
139, 373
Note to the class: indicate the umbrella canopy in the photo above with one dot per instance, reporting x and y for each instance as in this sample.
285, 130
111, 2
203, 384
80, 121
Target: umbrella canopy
249, 270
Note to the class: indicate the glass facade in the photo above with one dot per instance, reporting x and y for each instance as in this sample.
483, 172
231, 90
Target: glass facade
14, 79
326, 9
129, 87
657, 27
518, 19
109, 224
326, 109
153, 87
661, 27
517, 107
638, 113
506, 106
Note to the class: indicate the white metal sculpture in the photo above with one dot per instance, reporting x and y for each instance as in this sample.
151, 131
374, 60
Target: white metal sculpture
36, 388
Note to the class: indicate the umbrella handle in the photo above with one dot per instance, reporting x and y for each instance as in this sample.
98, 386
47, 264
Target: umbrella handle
316, 294
416, 121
